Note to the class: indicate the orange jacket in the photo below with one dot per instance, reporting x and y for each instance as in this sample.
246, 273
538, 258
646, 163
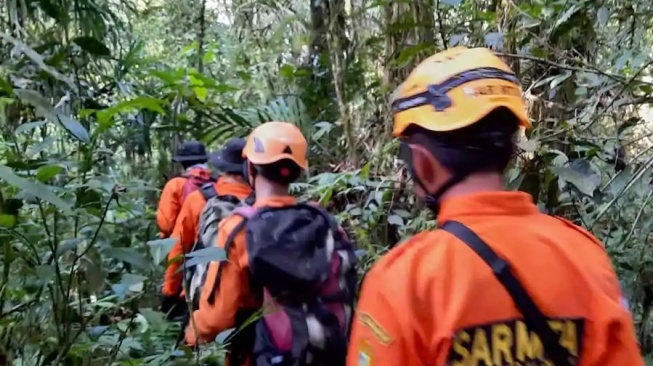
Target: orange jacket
170, 201
187, 227
434, 301
233, 291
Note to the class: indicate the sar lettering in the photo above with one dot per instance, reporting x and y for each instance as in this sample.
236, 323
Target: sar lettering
511, 343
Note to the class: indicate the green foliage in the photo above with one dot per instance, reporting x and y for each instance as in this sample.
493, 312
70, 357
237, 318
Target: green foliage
95, 97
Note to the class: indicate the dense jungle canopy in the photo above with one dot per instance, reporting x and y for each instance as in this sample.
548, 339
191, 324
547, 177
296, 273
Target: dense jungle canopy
95, 96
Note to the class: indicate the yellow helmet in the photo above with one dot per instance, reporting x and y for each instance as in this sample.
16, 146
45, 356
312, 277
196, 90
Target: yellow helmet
274, 141
454, 89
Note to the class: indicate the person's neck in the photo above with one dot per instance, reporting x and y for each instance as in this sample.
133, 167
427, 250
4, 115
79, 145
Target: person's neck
269, 189
476, 183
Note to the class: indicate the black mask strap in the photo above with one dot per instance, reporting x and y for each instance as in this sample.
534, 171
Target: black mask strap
246, 170
432, 199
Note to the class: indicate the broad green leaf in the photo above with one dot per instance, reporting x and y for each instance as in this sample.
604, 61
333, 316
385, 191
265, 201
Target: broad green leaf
45, 109
206, 255
527, 145
133, 282
6, 86
7, 220
45, 173
75, 128
160, 248
155, 318
220, 338
395, 220
559, 80
92, 46
68, 244
603, 14
128, 255
566, 15
581, 175
287, 71
28, 126
200, 92
36, 189
494, 40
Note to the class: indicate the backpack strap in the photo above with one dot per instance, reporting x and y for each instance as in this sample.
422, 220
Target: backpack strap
245, 213
533, 316
208, 191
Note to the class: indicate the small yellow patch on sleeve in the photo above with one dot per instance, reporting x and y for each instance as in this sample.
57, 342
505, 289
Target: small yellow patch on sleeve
379, 332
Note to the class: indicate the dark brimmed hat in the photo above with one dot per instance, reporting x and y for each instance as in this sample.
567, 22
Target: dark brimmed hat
230, 159
191, 151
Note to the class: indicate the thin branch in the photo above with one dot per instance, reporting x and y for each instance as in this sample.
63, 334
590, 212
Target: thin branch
589, 69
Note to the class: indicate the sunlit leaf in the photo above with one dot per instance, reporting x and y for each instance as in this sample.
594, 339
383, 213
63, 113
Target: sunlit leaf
28, 126
200, 92
287, 71
7, 220
45, 173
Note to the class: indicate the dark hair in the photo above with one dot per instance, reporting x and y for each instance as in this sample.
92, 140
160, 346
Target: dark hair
284, 171
486, 146
189, 163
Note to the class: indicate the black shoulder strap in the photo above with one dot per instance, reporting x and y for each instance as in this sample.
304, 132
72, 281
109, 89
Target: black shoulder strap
533, 317
208, 190
251, 198
227, 248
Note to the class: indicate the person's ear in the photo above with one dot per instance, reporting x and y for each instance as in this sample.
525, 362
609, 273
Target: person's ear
426, 166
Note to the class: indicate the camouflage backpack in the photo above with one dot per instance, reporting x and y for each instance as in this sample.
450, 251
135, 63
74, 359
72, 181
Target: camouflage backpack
216, 208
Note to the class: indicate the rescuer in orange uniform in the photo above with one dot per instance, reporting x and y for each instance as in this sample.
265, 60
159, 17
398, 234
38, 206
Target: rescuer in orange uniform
228, 164
433, 301
236, 301
193, 157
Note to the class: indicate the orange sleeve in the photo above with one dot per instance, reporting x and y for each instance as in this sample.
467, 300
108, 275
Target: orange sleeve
620, 346
378, 337
169, 206
211, 319
185, 231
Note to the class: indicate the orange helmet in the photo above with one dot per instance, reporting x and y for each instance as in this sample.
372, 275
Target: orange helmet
274, 141
454, 89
